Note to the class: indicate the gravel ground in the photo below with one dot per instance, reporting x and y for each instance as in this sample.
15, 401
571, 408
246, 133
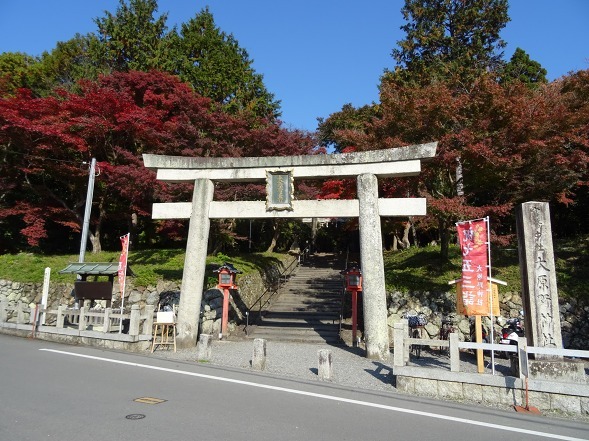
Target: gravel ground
350, 367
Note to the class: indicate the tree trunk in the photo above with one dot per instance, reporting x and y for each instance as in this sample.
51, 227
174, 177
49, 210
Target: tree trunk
406, 230
413, 232
459, 177
444, 239
275, 236
95, 238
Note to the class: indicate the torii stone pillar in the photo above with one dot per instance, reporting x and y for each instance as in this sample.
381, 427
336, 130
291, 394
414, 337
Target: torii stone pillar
374, 298
196, 259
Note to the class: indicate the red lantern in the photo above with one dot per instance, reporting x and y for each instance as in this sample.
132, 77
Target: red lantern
226, 282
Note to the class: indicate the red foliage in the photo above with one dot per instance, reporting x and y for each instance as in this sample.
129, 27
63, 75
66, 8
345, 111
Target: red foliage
49, 142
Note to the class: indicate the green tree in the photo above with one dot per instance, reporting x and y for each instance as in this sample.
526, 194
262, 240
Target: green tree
450, 39
133, 38
16, 72
218, 68
522, 68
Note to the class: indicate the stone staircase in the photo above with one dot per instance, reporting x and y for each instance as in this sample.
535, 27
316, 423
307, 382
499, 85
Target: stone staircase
308, 305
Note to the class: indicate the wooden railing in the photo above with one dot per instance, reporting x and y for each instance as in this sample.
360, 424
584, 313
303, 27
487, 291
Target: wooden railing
402, 343
69, 321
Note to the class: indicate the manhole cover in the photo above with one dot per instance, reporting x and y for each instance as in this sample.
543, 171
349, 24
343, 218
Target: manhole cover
135, 416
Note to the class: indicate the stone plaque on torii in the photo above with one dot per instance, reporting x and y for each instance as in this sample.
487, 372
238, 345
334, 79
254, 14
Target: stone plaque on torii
280, 172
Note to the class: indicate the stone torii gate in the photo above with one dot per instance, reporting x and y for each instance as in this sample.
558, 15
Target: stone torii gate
279, 173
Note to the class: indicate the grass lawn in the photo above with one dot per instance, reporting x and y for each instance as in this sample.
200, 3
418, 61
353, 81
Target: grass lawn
414, 269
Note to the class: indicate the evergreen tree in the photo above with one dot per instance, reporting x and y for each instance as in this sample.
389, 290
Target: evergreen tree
522, 68
218, 68
133, 38
454, 39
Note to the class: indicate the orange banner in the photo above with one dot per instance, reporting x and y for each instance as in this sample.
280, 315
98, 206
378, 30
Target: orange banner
475, 272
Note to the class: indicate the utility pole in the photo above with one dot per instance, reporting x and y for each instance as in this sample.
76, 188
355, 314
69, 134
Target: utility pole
87, 211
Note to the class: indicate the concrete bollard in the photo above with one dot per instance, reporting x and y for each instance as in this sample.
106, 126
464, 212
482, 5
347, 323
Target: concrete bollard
325, 370
259, 354
204, 347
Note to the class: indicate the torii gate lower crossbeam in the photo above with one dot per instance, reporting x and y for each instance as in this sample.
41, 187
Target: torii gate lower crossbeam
280, 173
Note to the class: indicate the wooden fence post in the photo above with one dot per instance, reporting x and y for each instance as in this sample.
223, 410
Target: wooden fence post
82, 319
134, 320
148, 321
399, 344
454, 352
106, 323
60, 317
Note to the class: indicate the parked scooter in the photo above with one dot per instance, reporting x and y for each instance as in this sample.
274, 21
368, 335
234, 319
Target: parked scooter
473, 332
511, 333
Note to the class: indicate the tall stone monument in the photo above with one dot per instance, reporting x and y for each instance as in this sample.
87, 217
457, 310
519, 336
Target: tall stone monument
536, 256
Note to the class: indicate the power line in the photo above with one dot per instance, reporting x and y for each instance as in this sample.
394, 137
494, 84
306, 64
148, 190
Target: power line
29, 156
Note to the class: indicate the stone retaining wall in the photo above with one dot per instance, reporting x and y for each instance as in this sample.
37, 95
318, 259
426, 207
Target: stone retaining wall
574, 315
490, 390
251, 287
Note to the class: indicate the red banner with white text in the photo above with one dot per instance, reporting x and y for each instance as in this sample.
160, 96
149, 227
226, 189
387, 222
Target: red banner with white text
122, 272
473, 239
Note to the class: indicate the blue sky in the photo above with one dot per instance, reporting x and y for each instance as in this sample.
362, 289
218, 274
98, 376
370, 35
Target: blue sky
315, 55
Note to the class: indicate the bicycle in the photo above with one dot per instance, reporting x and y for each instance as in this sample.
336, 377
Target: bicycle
446, 328
416, 324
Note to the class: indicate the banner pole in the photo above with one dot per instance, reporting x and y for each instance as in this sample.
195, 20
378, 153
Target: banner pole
490, 291
124, 272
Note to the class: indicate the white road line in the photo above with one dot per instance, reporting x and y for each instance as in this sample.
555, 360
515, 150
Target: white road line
328, 397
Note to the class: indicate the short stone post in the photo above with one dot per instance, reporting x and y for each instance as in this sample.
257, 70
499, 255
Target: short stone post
454, 352
60, 317
325, 370
259, 354
399, 342
204, 347
82, 319
3, 311
134, 320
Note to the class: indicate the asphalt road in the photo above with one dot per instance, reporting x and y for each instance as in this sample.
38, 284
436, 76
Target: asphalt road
51, 391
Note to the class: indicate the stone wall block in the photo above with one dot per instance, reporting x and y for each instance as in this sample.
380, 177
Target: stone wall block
406, 384
565, 403
426, 387
450, 389
472, 392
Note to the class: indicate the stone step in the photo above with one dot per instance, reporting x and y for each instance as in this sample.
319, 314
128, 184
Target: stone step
301, 315
297, 335
307, 307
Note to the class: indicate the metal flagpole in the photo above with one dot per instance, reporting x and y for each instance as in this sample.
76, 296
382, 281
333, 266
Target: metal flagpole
490, 290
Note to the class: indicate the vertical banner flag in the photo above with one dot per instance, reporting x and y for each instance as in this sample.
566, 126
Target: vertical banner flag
475, 277
122, 273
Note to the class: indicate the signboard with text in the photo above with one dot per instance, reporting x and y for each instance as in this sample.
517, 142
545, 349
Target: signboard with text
473, 239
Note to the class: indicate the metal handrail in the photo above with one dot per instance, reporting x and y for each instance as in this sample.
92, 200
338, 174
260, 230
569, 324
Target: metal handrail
273, 289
